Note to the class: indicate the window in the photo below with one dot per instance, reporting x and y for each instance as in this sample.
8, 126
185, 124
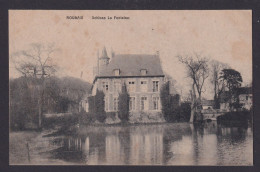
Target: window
106, 104
144, 86
105, 86
132, 103
131, 86
117, 86
155, 103
143, 71
115, 103
155, 86
117, 72
144, 105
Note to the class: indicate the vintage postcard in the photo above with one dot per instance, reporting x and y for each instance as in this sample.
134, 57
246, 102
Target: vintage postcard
130, 87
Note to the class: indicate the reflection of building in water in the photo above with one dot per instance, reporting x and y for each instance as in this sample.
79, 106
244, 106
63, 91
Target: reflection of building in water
85, 147
146, 149
159, 144
113, 150
74, 144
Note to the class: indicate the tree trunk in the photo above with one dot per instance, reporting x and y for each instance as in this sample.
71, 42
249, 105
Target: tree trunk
40, 113
193, 106
40, 102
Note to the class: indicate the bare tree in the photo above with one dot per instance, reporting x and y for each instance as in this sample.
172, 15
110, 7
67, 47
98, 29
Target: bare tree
216, 68
198, 72
36, 65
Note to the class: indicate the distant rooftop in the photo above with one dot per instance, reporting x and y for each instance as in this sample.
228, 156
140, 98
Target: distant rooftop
207, 102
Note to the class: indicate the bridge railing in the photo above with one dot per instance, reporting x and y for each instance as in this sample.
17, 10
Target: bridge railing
213, 111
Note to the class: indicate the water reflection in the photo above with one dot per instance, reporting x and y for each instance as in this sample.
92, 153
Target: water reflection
166, 144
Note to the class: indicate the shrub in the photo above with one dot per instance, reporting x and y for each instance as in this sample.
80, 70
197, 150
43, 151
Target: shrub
86, 117
23, 105
166, 101
65, 121
170, 104
100, 106
111, 115
123, 105
234, 117
185, 111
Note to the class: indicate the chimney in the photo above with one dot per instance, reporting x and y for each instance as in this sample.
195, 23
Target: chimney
157, 53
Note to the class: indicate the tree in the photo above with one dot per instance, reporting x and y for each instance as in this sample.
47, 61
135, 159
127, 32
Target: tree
36, 65
216, 68
165, 97
73, 89
198, 72
232, 80
123, 105
21, 104
100, 106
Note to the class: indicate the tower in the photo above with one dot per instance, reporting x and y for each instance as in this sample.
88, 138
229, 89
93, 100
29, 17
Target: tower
103, 59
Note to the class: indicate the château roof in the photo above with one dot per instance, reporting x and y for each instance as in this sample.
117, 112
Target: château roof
132, 64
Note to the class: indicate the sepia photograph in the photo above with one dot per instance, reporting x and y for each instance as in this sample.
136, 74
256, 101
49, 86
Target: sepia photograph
130, 87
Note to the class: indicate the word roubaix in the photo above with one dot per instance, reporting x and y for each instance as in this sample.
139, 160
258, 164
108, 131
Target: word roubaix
111, 18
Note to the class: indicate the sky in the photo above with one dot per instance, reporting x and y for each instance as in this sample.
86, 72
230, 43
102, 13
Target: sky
223, 35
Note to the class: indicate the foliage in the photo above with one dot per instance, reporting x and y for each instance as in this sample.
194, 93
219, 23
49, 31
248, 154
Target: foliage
232, 80
123, 105
216, 68
86, 117
198, 72
170, 104
66, 120
184, 111
236, 117
100, 106
36, 64
24, 97
165, 101
91, 103
23, 104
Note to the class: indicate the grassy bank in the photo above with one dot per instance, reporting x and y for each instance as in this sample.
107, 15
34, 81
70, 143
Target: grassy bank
18, 153
39, 147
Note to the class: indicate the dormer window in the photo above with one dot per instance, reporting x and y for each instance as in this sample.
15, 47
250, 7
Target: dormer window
117, 72
143, 71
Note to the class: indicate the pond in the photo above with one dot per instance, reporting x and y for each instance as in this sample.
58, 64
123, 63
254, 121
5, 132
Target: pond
158, 144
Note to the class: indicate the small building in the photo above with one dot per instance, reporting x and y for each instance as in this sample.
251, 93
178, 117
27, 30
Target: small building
84, 104
207, 104
245, 98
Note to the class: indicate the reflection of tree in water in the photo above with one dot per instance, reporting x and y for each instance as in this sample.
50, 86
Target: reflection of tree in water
197, 132
124, 139
227, 140
171, 135
97, 143
231, 134
211, 127
70, 150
